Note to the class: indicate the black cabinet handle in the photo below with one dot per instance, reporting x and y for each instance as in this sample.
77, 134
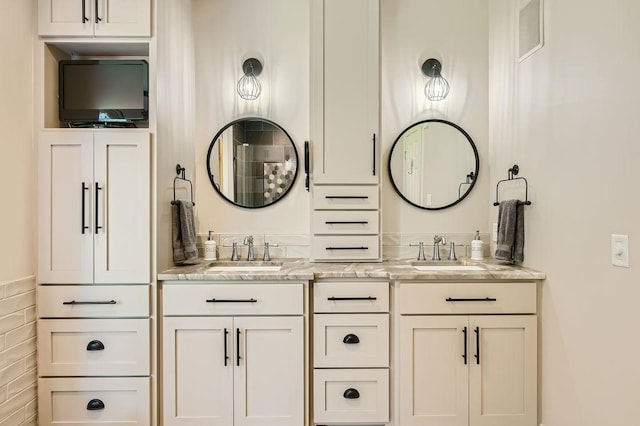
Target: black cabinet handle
252, 300
477, 355
464, 334
95, 404
105, 302
84, 188
351, 339
97, 197
351, 393
347, 248
351, 298
374, 154
346, 197
98, 19
346, 223
472, 299
238, 347
306, 165
84, 12
226, 355
95, 345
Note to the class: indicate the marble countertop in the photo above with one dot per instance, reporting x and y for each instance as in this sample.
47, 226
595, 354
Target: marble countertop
303, 270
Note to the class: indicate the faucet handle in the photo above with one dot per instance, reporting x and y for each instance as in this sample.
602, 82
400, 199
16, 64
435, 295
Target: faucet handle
452, 251
420, 246
267, 255
234, 252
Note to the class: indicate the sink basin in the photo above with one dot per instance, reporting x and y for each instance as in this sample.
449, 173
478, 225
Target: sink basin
448, 268
245, 267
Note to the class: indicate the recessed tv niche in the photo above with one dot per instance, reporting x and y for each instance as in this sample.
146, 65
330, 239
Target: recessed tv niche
103, 91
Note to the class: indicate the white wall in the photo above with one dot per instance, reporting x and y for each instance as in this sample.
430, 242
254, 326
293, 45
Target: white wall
456, 33
226, 32
569, 116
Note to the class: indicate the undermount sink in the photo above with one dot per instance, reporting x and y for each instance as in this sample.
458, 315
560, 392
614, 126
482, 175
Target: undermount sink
448, 268
245, 267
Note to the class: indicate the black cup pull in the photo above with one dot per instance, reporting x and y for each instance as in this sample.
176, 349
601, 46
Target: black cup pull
351, 393
95, 404
95, 345
351, 339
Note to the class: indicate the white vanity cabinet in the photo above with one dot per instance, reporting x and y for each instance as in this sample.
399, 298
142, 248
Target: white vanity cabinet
345, 129
233, 354
468, 354
351, 352
94, 207
89, 18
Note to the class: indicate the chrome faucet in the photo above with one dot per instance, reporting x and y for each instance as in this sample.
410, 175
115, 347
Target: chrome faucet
437, 240
420, 246
248, 241
267, 256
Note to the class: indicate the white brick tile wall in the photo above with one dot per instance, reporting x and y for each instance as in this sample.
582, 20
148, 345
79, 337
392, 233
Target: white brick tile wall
18, 377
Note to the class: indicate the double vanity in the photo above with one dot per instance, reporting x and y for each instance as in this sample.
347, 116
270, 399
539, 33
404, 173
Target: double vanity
391, 343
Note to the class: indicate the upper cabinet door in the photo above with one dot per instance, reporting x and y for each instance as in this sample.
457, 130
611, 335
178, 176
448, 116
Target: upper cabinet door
88, 18
122, 207
65, 191
345, 91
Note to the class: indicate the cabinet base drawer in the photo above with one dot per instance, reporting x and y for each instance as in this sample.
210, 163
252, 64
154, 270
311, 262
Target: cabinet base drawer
345, 197
350, 296
93, 347
345, 247
86, 301
88, 401
351, 396
345, 222
351, 340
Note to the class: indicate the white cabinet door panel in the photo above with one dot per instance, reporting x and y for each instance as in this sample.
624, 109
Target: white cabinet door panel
65, 18
123, 18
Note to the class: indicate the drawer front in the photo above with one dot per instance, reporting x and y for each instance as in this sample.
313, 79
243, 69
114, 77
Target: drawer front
348, 197
104, 301
87, 401
233, 299
351, 396
345, 247
346, 296
93, 347
351, 340
345, 222
468, 298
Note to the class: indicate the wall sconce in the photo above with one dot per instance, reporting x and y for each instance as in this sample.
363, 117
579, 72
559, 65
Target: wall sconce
437, 88
249, 87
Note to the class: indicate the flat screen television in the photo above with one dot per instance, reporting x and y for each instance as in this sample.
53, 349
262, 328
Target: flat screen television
103, 91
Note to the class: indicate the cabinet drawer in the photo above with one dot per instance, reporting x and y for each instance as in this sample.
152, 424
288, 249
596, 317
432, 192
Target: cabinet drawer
345, 222
347, 296
345, 247
351, 396
74, 401
351, 340
233, 299
93, 347
468, 298
347, 197
75, 301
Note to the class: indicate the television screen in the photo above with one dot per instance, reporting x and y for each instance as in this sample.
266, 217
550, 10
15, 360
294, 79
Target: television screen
103, 90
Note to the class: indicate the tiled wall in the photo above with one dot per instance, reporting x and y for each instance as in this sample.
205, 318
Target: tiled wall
18, 353
394, 245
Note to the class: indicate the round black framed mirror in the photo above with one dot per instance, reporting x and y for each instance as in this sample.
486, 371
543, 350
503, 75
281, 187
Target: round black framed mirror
433, 164
252, 162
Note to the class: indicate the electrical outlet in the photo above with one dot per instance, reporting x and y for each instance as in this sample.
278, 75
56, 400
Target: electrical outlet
494, 234
620, 250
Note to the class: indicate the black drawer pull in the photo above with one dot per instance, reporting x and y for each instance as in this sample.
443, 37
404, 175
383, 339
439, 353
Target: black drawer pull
351, 339
95, 345
478, 299
347, 223
477, 355
346, 197
347, 248
351, 393
464, 336
106, 302
252, 300
351, 298
95, 404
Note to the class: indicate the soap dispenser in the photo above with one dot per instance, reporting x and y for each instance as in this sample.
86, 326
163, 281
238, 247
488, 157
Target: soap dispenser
477, 248
210, 248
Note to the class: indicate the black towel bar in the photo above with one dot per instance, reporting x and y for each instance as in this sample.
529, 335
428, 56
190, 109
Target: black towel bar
513, 171
180, 171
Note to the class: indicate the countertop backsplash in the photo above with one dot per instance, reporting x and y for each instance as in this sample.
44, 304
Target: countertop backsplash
395, 246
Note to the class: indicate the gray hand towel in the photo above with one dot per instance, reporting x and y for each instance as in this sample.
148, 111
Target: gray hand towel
183, 233
510, 245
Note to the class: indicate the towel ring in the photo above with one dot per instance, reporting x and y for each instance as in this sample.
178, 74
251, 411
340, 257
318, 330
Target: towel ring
180, 171
513, 171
